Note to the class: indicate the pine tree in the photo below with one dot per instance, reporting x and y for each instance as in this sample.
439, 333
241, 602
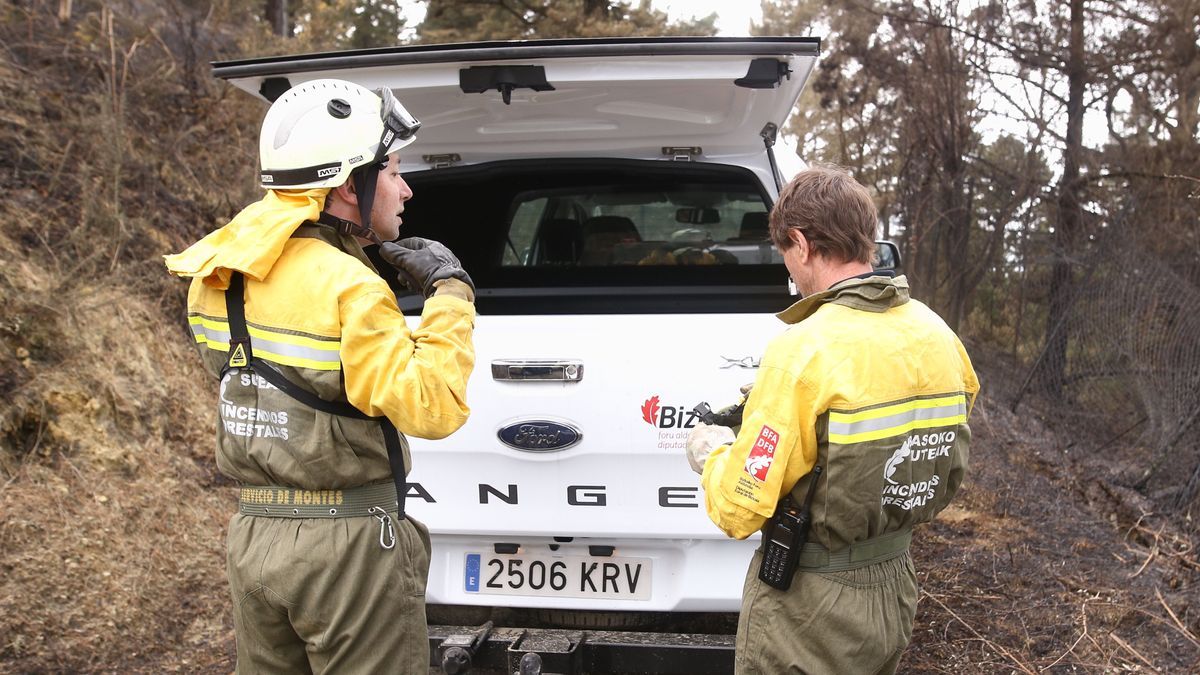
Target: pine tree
325, 25
472, 20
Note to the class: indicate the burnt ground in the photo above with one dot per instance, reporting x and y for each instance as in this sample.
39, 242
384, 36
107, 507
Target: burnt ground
1046, 564
1043, 564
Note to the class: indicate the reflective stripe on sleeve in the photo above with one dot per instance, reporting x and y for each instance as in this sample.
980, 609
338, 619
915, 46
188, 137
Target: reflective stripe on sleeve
288, 349
893, 419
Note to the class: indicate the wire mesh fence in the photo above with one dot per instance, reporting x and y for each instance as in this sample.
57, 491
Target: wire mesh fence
1130, 372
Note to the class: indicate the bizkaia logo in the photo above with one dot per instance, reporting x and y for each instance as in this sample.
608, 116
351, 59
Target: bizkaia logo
669, 416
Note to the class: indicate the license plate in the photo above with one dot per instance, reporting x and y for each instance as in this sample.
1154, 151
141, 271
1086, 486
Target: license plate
558, 576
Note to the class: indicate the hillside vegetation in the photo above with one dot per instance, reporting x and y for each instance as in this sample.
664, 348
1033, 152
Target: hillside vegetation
117, 146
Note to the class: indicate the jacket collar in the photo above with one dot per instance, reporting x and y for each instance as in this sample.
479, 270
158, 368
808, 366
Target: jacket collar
342, 242
876, 293
252, 241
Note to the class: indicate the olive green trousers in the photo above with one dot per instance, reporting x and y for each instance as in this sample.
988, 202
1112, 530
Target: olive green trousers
836, 623
321, 595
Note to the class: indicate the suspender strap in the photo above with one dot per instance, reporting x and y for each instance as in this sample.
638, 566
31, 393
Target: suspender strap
239, 335
391, 439
239, 338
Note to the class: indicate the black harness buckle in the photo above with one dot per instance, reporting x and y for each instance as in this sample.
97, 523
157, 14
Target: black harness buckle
348, 227
239, 352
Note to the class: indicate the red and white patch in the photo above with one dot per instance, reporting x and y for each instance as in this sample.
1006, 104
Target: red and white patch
758, 463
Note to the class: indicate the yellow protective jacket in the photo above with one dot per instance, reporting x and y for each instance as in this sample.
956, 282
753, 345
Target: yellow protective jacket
870, 385
318, 311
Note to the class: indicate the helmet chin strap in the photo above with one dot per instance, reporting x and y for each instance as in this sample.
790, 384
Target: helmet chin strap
348, 227
364, 187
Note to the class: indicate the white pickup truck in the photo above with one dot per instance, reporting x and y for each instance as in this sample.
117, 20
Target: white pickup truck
609, 197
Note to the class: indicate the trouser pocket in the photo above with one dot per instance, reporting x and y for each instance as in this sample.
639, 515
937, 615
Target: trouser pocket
410, 559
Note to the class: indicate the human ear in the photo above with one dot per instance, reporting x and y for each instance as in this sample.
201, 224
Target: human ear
346, 193
800, 241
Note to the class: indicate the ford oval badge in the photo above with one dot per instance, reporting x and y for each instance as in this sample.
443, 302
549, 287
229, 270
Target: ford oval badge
539, 435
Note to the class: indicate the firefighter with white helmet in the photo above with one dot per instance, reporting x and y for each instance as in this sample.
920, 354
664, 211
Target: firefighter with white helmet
320, 381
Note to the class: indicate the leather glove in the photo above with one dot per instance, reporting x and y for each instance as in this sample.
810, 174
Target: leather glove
703, 439
423, 262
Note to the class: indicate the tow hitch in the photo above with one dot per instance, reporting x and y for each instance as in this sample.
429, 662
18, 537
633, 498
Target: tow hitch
524, 651
457, 650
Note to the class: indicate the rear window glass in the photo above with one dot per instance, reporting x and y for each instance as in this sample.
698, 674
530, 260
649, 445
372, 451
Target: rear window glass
629, 225
572, 236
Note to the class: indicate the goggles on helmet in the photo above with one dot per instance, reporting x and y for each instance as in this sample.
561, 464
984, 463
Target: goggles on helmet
397, 123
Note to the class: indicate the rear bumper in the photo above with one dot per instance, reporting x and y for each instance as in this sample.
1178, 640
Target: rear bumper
486, 649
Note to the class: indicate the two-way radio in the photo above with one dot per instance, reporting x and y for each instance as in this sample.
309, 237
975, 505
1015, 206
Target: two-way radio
787, 534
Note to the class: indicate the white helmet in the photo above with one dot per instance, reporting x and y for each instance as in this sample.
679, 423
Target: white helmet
318, 132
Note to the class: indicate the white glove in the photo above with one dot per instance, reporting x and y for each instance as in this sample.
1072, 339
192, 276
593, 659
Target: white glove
702, 440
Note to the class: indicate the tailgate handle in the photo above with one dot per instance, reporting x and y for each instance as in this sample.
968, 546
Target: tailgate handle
478, 79
537, 370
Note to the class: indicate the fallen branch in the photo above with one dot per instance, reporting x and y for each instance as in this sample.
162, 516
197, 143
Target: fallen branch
1125, 645
1176, 547
1178, 624
1083, 616
1019, 664
1151, 556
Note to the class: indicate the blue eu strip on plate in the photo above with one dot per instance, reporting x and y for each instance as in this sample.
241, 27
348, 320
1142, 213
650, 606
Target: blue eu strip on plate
472, 573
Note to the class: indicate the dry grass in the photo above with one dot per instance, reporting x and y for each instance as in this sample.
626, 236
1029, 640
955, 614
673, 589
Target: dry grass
116, 147
110, 536
110, 541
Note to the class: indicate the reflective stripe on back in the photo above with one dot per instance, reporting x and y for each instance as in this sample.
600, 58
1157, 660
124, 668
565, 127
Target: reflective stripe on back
288, 349
894, 419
